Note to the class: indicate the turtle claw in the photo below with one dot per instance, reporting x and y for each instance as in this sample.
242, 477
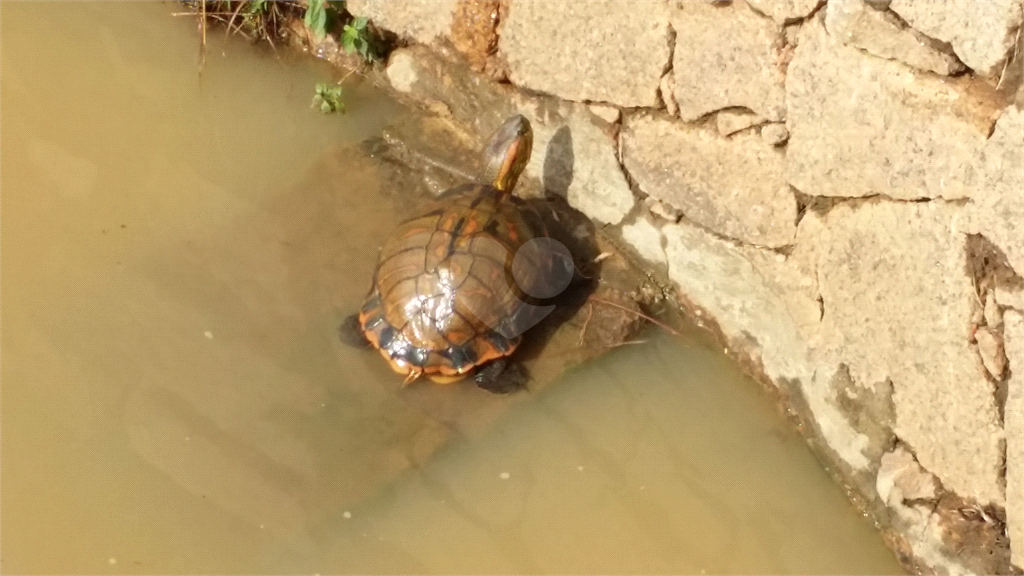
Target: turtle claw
411, 377
502, 376
351, 332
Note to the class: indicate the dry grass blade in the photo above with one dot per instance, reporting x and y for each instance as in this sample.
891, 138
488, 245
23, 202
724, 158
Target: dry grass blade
586, 323
202, 43
238, 27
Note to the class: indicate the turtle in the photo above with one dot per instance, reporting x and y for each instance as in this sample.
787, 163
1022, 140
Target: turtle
457, 285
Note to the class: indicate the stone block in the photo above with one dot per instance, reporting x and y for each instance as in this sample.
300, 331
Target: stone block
897, 304
609, 114
766, 306
901, 478
1013, 298
605, 51
880, 32
980, 32
474, 31
997, 208
732, 186
1014, 424
668, 95
646, 238
990, 348
727, 56
421, 20
775, 134
732, 121
479, 107
785, 11
861, 126
575, 157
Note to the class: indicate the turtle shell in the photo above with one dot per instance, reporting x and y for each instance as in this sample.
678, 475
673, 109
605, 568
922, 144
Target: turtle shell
454, 288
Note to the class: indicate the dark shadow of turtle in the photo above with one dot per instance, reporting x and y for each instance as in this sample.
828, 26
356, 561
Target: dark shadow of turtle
574, 230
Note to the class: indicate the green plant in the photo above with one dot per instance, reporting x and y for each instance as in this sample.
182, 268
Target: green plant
328, 98
356, 38
319, 14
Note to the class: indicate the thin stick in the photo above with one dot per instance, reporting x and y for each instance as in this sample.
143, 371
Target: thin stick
232, 21
583, 331
202, 44
666, 327
345, 77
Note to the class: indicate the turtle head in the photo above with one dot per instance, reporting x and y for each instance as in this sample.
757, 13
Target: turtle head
508, 152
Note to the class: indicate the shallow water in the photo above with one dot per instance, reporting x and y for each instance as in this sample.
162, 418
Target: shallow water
176, 251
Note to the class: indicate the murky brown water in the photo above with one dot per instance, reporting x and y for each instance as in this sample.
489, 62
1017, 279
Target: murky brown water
176, 252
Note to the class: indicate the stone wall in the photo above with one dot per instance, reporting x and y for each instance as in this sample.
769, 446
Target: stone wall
837, 187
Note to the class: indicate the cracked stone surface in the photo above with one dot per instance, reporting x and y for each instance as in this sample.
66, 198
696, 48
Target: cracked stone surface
901, 477
575, 157
733, 186
574, 50
897, 304
880, 32
861, 126
727, 56
422, 20
646, 238
785, 11
981, 33
997, 209
990, 348
765, 305
1014, 418
732, 121
1012, 298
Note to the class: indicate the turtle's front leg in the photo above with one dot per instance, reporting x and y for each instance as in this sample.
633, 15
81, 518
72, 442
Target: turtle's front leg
502, 376
351, 332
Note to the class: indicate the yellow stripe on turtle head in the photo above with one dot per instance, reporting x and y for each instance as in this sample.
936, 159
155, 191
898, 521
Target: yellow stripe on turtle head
508, 153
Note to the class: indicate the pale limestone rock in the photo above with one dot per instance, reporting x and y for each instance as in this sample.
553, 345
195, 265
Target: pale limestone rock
862, 126
880, 32
401, 71
1011, 298
901, 478
727, 56
990, 348
1014, 422
785, 11
422, 20
775, 134
733, 120
993, 316
426, 76
646, 238
981, 32
659, 208
766, 307
575, 50
734, 187
997, 209
575, 157
609, 114
668, 95
897, 305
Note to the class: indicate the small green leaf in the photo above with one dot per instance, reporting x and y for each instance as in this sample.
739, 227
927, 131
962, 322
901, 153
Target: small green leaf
316, 18
359, 23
